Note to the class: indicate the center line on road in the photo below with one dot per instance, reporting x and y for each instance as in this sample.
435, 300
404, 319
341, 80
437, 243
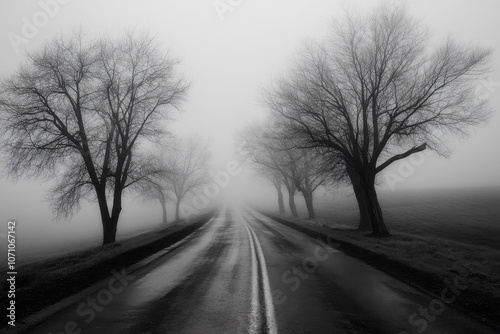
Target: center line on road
268, 301
254, 315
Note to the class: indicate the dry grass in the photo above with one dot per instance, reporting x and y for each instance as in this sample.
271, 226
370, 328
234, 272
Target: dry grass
79, 260
437, 256
441, 232
470, 216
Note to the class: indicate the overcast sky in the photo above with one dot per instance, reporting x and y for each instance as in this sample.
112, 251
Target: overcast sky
230, 55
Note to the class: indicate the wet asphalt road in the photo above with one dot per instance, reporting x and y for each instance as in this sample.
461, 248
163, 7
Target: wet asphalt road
244, 273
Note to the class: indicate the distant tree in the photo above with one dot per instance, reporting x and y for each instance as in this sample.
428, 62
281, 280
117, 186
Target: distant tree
187, 169
308, 173
298, 169
162, 197
254, 143
80, 112
376, 93
155, 186
277, 181
303, 168
247, 141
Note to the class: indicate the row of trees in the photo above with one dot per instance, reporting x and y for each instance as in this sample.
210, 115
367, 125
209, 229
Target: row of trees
298, 170
375, 92
92, 115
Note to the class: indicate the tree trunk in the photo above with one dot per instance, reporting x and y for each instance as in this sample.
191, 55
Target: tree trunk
108, 225
177, 210
111, 227
364, 217
372, 204
164, 211
281, 203
308, 197
291, 201
163, 202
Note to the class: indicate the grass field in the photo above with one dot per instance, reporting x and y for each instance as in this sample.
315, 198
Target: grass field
469, 216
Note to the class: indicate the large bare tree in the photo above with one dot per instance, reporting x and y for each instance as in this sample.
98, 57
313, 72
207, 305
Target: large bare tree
378, 91
82, 112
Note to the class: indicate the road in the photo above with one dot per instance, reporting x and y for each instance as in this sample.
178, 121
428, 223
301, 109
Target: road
244, 273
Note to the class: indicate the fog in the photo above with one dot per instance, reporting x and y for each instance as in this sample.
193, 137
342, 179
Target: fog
228, 62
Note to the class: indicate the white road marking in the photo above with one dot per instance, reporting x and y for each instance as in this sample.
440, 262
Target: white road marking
268, 300
254, 314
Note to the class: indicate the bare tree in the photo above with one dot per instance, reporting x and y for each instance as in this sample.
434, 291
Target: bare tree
155, 186
298, 169
304, 168
187, 169
249, 146
81, 112
255, 144
153, 190
277, 181
376, 93
308, 173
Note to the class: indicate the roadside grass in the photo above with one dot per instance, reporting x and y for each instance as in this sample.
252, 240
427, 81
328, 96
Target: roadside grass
440, 232
433, 255
469, 216
58, 266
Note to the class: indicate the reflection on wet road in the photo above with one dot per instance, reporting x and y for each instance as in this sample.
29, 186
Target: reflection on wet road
244, 273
